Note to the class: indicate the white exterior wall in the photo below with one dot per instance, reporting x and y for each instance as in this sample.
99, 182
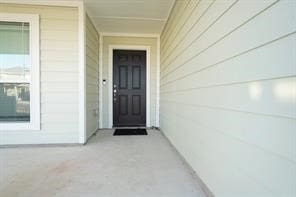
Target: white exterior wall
92, 78
59, 76
228, 93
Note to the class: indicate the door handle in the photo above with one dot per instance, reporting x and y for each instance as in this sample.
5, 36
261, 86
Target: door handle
114, 93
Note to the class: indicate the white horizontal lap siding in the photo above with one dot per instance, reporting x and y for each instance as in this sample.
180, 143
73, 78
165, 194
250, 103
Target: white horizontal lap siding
92, 78
227, 89
58, 76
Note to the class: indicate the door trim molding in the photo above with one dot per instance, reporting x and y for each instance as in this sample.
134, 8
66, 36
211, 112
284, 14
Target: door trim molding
139, 35
110, 78
101, 81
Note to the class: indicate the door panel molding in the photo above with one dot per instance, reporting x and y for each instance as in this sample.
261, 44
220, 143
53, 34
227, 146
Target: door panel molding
110, 78
136, 83
136, 104
123, 73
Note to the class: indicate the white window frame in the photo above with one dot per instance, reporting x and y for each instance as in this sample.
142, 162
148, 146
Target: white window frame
34, 124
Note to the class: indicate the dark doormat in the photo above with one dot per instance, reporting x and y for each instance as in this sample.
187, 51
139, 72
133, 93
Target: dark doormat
130, 132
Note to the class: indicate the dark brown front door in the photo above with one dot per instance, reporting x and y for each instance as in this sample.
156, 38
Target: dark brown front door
129, 88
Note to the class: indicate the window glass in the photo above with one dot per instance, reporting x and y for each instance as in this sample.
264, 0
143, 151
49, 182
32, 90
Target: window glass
15, 67
15, 102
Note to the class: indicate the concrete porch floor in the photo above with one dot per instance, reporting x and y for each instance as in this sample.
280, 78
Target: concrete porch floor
121, 166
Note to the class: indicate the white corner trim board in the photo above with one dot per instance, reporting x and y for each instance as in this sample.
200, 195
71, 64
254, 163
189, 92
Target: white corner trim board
82, 73
157, 82
110, 78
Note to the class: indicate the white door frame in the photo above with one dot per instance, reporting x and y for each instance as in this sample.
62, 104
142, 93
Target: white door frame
110, 76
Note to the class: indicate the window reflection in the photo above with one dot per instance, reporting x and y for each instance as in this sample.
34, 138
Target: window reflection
14, 67
14, 51
14, 102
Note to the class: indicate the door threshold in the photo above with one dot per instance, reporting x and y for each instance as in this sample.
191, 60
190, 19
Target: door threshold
132, 127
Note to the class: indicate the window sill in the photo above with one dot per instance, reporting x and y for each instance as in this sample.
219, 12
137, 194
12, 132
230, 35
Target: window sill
19, 126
